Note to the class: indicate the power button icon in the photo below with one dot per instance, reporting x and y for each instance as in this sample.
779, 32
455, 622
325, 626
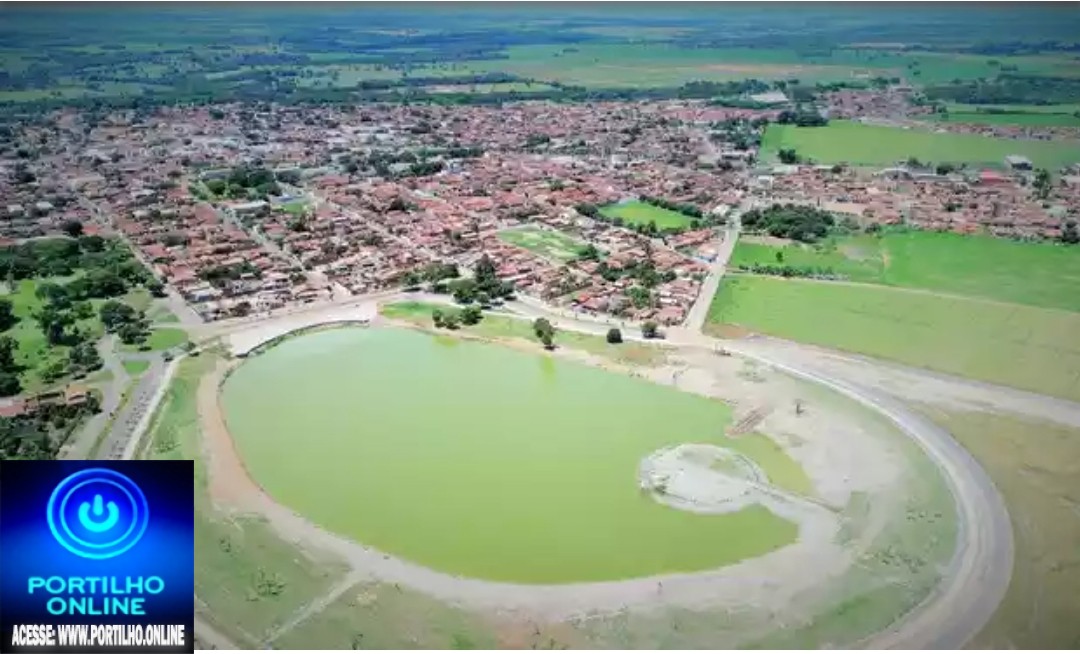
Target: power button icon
97, 513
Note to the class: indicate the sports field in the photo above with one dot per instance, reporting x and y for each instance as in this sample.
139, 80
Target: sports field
1038, 274
859, 144
548, 243
642, 213
1025, 347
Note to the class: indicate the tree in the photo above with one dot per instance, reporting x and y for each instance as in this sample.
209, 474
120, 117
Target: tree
779, 256
72, 228
115, 314
464, 290
9, 384
156, 288
650, 330
8, 319
1070, 234
1042, 183
8, 347
471, 315
133, 333
614, 336
54, 323
545, 331
85, 356
589, 253
788, 156
437, 318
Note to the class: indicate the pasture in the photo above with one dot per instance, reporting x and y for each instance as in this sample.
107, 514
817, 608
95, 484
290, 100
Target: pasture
1038, 274
1026, 347
1033, 119
870, 145
1034, 465
547, 243
642, 213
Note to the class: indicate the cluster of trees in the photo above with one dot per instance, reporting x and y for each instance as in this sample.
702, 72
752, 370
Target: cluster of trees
9, 367
788, 156
483, 288
1009, 89
246, 182
107, 264
684, 208
220, 276
450, 319
784, 270
802, 118
38, 437
1070, 234
800, 223
130, 324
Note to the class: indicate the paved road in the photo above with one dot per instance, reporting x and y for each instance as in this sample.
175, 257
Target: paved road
139, 403
695, 318
81, 443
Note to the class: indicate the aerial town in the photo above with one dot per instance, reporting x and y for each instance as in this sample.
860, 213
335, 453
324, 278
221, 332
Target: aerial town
246, 209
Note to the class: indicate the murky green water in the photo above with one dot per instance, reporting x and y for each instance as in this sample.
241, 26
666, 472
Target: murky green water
479, 460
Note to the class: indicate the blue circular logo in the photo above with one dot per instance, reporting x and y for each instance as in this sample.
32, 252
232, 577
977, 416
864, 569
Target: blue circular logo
97, 513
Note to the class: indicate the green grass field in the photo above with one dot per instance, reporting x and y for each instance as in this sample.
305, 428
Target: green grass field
161, 338
1025, 347
495, 326
548, 243
136, 368
1035, 466
858, 144
642, 213
1038, 274
35, 354
1035, 119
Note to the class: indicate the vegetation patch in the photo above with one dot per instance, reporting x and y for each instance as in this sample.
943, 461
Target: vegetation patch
137, 367
1035, 465
497, 326
859, 144
548, 243
643, 213
1031, 273
1026, 347
160, 339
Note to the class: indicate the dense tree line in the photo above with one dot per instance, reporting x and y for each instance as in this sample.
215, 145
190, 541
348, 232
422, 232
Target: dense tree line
39, 436
797, 222
1009, 89
783, 270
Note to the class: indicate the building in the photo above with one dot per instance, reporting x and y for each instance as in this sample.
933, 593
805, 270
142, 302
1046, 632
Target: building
1017, 162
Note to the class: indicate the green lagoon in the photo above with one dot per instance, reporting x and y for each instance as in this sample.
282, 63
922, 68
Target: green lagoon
483, 461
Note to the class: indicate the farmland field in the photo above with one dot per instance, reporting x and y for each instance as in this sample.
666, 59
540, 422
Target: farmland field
1038, 274
642, 213
858, 144
1025, 347
1034, 119
547, 243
